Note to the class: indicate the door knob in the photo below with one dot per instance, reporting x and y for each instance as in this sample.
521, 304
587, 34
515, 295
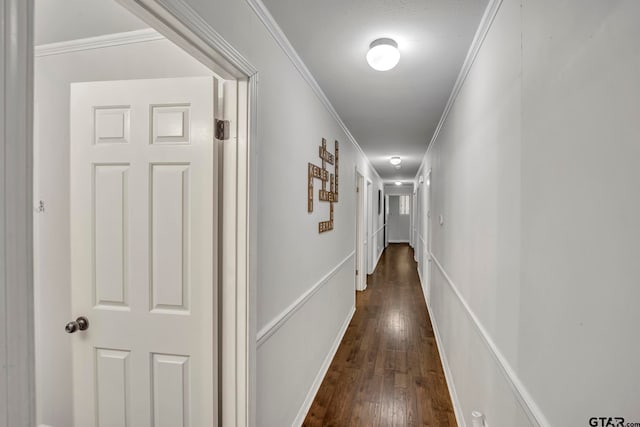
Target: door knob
80, 324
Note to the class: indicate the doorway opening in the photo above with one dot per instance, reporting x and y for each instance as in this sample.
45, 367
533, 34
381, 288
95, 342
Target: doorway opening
143, 231
399, 218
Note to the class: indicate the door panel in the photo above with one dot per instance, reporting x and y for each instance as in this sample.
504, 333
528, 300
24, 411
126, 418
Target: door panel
110, 243
143, 260
171, 400
170, 236
113, 382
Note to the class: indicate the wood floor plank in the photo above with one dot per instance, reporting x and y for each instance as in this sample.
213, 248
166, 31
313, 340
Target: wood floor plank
387, 370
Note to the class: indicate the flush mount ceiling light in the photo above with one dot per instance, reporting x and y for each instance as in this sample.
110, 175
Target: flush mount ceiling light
398, 183
383, 54
395, 160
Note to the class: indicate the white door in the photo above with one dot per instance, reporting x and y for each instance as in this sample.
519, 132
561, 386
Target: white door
143, 260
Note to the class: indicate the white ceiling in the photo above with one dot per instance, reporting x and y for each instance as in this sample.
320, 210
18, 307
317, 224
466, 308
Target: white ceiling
393, 112
62, 20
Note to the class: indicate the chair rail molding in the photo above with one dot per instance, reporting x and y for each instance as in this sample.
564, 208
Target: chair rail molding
528, 404
378, 230
17, 357
278, 321
317, 382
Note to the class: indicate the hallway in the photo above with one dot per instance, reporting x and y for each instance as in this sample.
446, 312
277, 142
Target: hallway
387, 371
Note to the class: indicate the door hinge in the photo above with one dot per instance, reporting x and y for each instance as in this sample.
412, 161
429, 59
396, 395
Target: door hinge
222, 129
357, 189
356, 271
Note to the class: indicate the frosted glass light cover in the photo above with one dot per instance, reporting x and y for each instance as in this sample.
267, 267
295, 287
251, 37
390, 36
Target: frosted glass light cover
383, 54
395, 160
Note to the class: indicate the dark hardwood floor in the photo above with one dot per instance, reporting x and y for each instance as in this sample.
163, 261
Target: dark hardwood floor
387, 371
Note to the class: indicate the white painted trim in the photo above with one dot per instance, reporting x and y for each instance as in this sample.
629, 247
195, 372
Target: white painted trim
528, 404
184, 26
282, 40
17, 354
481, 34
361, 232
277, 322
317, 382
378, 230
98, 42
444, 360
378, 260
397, 241
180, 23
375, 264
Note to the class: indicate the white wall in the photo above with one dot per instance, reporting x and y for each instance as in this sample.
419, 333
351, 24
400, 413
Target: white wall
53, 75
61, 20
533, 279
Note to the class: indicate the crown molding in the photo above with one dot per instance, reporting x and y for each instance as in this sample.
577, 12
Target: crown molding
186, 21
272, 26
98, 42
478, 40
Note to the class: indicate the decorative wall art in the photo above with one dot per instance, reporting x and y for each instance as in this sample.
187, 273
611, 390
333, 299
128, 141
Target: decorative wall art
321, 173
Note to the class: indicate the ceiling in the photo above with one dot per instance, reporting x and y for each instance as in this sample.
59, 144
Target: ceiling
62, 20
393, 112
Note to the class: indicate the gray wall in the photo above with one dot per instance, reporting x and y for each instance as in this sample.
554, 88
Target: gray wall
533, 281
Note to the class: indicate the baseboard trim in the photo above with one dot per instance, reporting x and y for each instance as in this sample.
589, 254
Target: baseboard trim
397, 241
306, 405
526, 401
444, 360
98, 42
377, 260
277, 322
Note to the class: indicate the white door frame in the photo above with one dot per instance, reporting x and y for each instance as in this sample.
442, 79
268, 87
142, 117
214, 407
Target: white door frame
181, 24
361, 281
370, 245
386, 220
17, 363
427, 218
